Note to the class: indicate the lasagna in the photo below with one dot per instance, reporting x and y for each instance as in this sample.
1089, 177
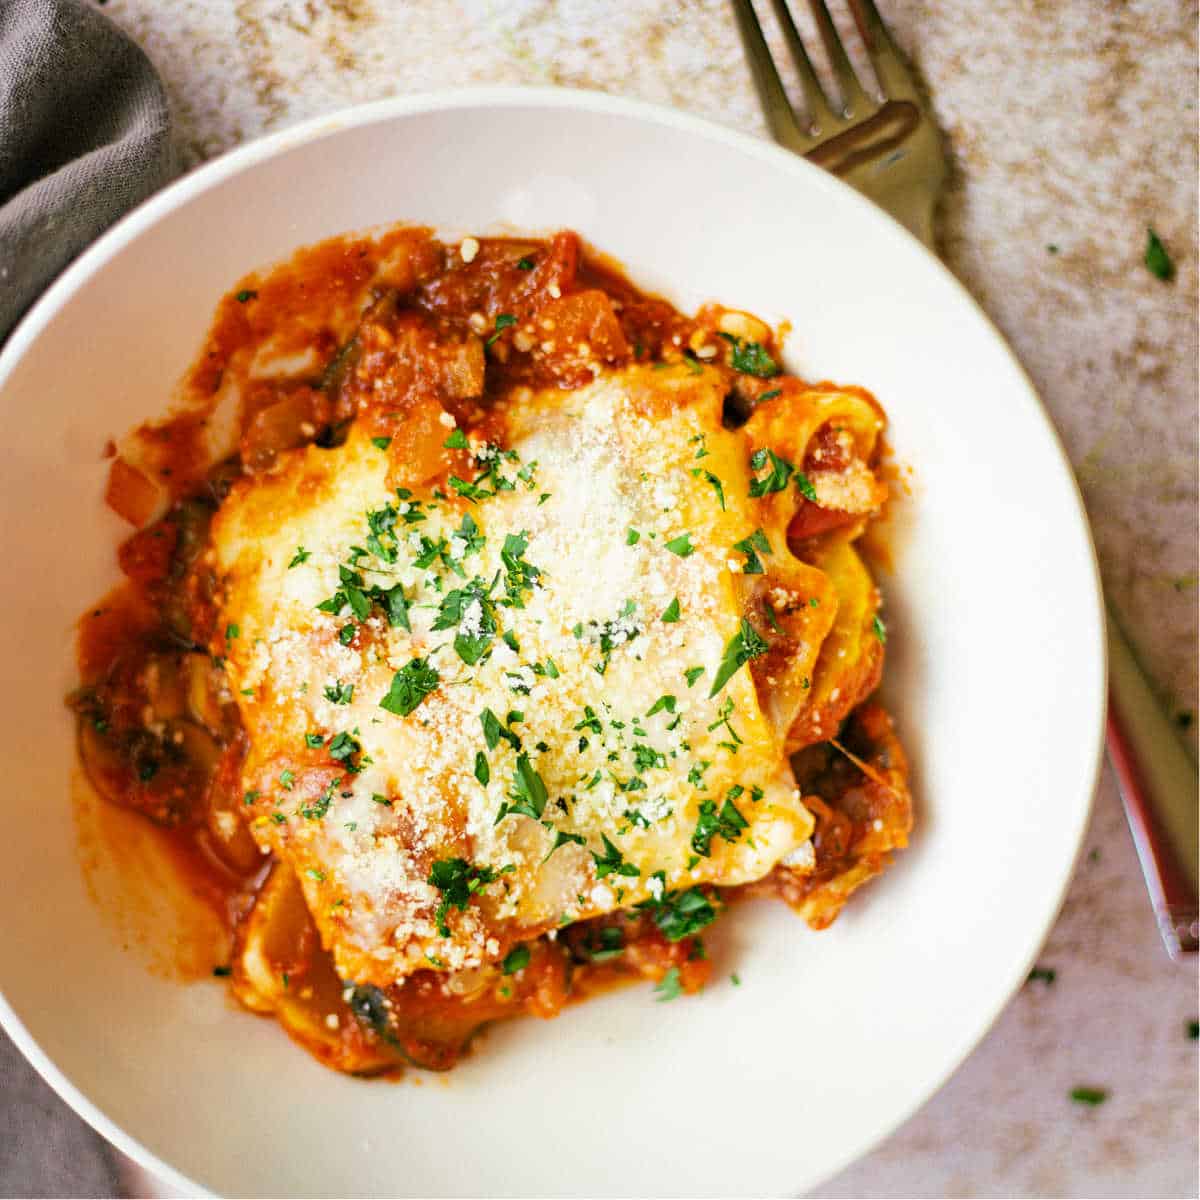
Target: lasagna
491, 628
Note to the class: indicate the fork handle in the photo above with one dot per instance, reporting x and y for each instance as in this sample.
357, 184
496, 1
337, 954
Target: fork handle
1157, 782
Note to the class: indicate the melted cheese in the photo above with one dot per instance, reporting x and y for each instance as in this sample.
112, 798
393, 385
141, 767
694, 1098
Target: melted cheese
588, 682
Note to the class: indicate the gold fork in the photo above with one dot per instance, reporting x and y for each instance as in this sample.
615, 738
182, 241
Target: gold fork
888, 148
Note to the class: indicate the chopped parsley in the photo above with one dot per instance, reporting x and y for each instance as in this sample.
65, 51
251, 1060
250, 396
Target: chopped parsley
1193, 1031
286, 778
692, 674
381, 443
646, 758
723, 715
528, 796
604, 943
662, 704
316, 810
879, 629
680, 914
776, 478
517, 959
1046, 975
231, 632
1089, 1095
246, 294
344, 748
456, 441
493, 731
301, 556
410, 686
726, 824
561, 838
1157, 260
669, 986
469, 491
770, 395
716, 485
612, 861
608, 635
457, 880
524, 264
314, 741
346, 633
745, 645
590, 721
482, 771
470, 611
681, 545
503, 321
520, 575
671, 614
751, 358
339, 693
749, 546
632, 537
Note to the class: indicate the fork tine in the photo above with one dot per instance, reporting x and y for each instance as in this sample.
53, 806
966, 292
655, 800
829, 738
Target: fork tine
854, 99
815, 102
771, 93
890, 69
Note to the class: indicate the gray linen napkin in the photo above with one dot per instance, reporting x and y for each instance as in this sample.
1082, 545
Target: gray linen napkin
84, 136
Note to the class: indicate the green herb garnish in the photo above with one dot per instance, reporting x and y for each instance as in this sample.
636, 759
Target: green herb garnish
669, 986
1158, 261
749, 546
517, 959
745, 645
528, 795
776, 478
457, 880
410, 686
751, 358
680, 914
612, 861
503, 321
726, 824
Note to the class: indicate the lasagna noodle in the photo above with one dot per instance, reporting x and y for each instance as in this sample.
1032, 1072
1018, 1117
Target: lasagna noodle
613, 495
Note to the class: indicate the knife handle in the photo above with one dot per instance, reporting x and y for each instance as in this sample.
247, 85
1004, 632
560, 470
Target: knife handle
1158, 786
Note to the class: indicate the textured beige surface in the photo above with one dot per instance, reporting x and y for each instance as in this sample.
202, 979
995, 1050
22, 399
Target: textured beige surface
1072, 126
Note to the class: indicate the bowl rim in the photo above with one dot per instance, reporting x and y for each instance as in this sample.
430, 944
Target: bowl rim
250, 154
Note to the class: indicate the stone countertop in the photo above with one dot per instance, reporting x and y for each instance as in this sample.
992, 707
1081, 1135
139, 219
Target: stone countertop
1072, 127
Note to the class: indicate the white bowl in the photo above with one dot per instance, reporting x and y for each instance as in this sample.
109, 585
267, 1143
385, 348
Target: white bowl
995, 671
